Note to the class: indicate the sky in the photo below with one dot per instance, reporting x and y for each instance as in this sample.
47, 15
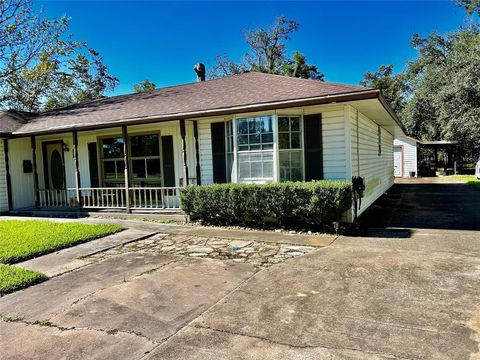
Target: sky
162, 41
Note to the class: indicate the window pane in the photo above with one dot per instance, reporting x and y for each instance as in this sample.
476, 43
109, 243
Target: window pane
112, 148
243, 139
138, 169
267, 146
153, 168
242, 126
145, 145
295, 123
283, 123
257, 169
109, 170
267, 124
120, 169
283, 141
295, 144
254, 139
267, 138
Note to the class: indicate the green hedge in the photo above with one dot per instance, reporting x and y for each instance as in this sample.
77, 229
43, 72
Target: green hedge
313, 202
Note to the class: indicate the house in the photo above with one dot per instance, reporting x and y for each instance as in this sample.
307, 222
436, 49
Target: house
405, 160
135, 152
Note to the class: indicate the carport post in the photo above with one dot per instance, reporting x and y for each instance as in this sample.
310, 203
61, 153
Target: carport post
127, 172
77, 171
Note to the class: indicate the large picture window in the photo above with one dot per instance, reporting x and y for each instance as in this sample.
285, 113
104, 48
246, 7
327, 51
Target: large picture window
290, 150
255, 148
145, 161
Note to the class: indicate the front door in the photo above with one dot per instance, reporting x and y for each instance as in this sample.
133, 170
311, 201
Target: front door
54, 171
397, 161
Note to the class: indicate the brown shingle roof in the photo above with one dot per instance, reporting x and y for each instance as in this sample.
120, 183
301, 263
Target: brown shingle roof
246, 90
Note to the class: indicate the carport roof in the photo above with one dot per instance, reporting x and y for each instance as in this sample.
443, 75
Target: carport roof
233, 94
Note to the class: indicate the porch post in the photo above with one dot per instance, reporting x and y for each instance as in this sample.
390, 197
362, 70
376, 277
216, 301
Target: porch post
35, 173
9, 180
184, 152
197, 153
77, 170
127, 172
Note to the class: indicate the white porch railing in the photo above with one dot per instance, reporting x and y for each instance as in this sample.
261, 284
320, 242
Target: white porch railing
141, 198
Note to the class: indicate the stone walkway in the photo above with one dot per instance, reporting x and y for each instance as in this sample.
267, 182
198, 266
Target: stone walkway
256, 253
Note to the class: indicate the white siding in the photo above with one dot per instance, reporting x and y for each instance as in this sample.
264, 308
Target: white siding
333, 139
409, 147
3, 181
377, 170
23, 193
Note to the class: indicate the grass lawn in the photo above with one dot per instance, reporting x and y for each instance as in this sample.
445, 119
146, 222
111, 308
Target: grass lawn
22, 240
14, 278
469, 179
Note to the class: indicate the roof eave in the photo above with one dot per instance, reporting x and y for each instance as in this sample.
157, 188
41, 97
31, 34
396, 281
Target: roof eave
321, 100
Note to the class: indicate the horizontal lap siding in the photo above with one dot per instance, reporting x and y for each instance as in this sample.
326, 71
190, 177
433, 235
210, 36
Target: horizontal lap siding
3, 181
333, 136
409, 155
376, 170
23, 192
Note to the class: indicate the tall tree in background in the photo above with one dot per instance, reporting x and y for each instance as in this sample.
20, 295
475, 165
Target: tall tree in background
144, 85
393, 86
41, 68
471, 6
267, 54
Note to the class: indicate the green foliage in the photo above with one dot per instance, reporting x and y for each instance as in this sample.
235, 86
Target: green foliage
145, 85
267, 54
21, 240
393, 86
289, 202
15, 278
471, 6
41, 68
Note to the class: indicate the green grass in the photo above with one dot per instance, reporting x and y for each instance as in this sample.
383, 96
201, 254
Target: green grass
469, 179
22, 240
15, 278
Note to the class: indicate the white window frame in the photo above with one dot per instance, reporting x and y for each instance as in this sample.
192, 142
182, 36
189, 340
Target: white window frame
302, 144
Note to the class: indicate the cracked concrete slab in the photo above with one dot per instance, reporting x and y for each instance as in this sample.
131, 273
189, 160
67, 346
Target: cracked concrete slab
375, 300
158, 303
205, 344
24, 341
54, 296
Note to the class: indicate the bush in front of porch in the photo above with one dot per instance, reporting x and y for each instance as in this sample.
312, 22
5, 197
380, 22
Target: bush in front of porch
284, 203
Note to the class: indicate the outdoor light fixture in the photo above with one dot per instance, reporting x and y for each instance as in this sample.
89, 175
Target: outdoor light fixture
65, 147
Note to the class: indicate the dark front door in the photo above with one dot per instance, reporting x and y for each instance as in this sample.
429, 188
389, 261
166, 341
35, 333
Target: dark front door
55, 167
313, 147
93, 165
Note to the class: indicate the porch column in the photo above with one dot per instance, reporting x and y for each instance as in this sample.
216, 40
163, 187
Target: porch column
77, 170
35, 173
127, 172
197, 153
184, 152
9, 180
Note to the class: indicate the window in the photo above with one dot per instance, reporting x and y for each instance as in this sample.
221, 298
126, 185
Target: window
229, 148
145, 158
255, 148
145, 163
112, 158
290, 152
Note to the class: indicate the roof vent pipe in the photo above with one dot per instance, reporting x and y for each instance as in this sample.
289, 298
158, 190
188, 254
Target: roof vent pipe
200, 70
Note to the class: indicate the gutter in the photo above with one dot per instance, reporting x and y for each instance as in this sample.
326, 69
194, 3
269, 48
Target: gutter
326, 99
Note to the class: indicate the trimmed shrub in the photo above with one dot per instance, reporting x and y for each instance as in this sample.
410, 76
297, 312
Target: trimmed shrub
285, 203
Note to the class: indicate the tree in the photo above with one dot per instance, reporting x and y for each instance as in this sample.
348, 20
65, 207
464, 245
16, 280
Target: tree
144, 85
393, 87
41, 68
298, 67
470, 6
267, 54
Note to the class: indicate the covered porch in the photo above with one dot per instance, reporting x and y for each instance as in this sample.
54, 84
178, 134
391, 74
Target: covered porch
129, 168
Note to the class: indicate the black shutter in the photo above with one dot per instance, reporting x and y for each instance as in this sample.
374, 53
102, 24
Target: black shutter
312, 126
218, 152
93, 164
168, 161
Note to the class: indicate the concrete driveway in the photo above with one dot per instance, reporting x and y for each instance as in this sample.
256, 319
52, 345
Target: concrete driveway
415, 296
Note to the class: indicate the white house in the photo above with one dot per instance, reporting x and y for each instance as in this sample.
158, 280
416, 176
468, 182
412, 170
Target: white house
405, 159
134, 152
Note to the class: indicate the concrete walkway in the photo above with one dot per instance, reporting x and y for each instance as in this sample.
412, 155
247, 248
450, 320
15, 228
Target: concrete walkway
70, 259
